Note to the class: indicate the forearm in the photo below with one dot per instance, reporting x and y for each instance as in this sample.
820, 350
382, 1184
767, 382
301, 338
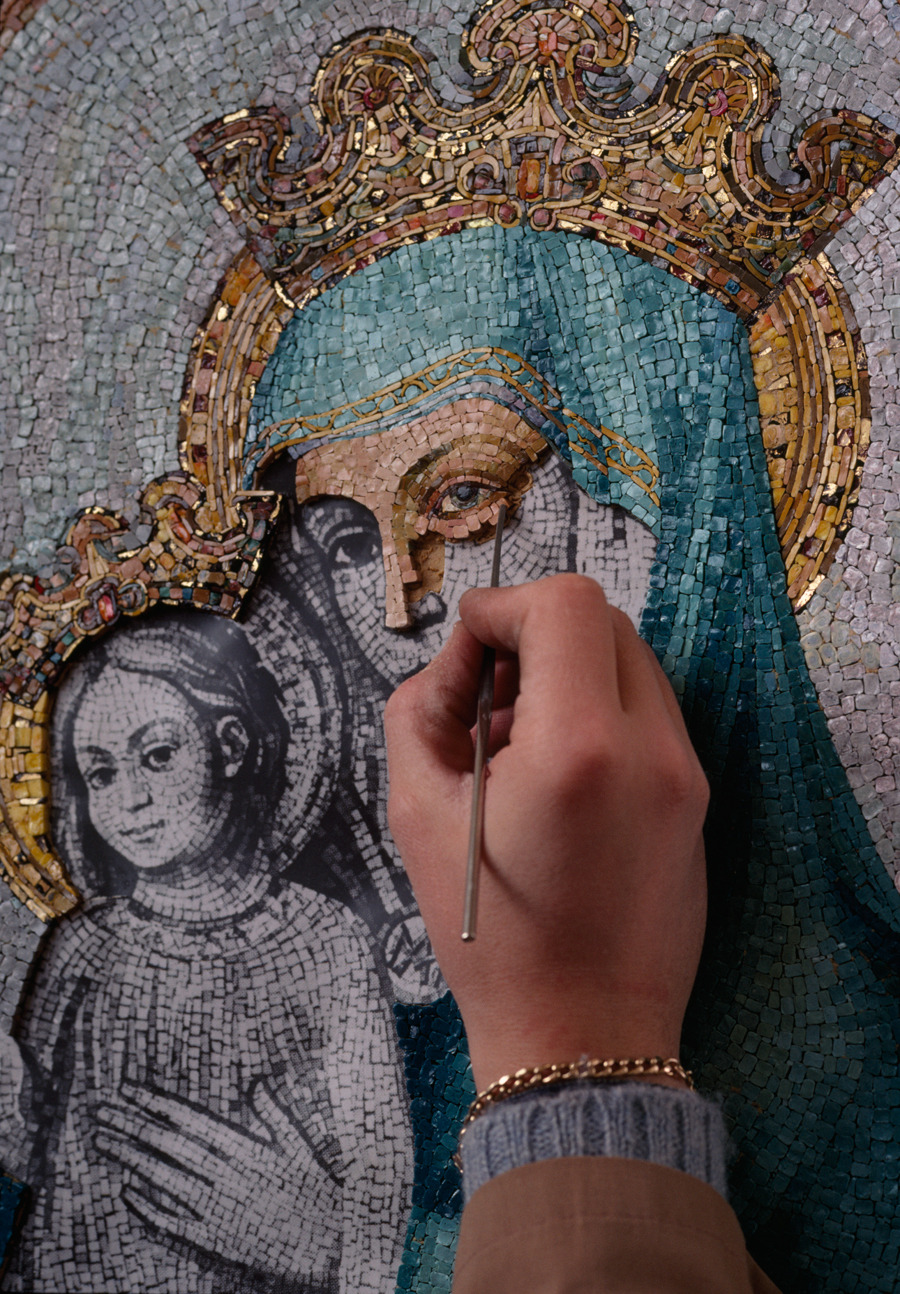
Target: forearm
591, 1223
623, 1184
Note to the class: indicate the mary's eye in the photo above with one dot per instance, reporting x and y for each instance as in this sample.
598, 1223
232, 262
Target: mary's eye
158, 756
465, 508
98, 779
463, 496
354, 548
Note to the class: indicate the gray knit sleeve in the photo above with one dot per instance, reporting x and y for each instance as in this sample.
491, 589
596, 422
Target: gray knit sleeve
623, 1120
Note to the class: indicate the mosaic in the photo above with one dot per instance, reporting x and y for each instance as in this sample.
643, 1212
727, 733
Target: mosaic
605, 312
212, 1048
14, 14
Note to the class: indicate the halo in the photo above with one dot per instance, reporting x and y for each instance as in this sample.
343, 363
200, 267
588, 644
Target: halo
314, 713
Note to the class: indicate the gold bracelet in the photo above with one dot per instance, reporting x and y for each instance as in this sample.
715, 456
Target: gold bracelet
528, 1080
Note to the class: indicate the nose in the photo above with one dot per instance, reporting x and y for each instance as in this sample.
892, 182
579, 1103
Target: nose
135, 790
413, 569
429, 611
400, 576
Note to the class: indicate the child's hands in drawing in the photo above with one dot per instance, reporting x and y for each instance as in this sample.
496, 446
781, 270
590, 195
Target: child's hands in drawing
234, 1194
592, 903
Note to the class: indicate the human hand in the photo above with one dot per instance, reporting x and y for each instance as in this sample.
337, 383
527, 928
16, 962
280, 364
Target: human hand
593, 894
260, 1200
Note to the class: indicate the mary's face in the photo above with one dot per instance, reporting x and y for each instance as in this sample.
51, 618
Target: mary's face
149, 765
412, 510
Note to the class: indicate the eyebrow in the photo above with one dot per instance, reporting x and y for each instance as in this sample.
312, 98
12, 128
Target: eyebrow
100, 752
348, 517
158, 721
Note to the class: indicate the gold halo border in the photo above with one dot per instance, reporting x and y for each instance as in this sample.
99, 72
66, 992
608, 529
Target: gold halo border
678, 181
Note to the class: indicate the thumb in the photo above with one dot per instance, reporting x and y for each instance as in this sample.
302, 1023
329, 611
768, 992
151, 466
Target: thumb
428, 721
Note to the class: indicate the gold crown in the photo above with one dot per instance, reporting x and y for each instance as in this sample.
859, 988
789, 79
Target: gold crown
678, 180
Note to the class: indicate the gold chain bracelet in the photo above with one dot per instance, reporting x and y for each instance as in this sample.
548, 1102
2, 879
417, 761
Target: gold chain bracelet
543, 1076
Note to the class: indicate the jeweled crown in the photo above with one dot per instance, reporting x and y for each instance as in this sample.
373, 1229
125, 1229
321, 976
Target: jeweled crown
545, 137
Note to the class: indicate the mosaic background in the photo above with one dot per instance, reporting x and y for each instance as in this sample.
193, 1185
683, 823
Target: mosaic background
114, 245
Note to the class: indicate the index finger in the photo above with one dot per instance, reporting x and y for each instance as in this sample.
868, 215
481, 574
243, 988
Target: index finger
562, 630
168, 1113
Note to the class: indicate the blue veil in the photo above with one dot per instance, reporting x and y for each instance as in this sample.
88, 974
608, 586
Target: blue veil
795, 1015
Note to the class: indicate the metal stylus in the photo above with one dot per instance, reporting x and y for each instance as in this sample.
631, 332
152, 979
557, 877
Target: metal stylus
482, 732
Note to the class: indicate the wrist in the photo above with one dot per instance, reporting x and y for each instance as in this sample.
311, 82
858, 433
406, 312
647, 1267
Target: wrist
501, 1058
622, 1120
557, 1018
586, 1072
487, 1076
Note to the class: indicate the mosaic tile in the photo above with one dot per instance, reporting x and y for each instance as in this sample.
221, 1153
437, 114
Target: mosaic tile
641, 401
12, 1203
14, 14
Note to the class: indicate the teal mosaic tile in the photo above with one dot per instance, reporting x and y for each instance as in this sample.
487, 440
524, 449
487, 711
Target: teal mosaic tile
13, 1196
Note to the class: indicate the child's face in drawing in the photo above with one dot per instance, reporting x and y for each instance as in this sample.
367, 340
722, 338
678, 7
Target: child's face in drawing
157, 776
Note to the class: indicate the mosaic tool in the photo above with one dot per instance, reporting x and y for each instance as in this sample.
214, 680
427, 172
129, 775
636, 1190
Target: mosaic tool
482, 732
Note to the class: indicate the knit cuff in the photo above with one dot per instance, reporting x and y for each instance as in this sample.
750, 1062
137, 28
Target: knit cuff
621, 1120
